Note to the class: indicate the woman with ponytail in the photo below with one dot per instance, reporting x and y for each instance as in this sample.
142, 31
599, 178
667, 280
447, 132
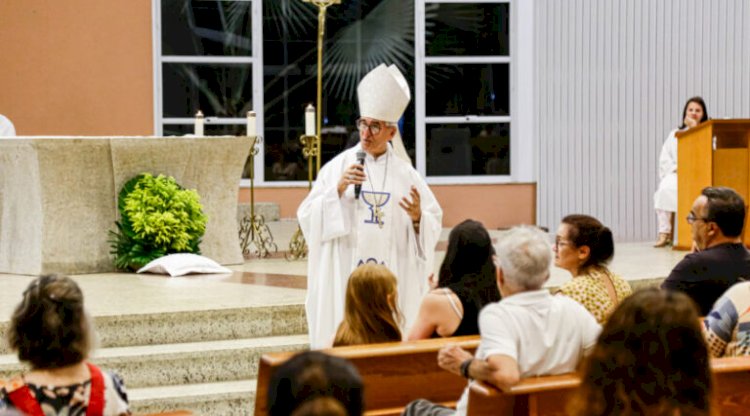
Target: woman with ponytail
584, 247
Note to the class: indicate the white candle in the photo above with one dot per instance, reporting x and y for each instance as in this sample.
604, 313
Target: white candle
199, 120
251, 124
310, 120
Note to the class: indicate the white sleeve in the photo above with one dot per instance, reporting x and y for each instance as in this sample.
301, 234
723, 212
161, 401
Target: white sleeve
430, 224
668, 156
322, 213
590, 330
497, 337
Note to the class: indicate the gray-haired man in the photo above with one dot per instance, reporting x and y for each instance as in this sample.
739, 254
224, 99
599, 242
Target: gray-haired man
528, 333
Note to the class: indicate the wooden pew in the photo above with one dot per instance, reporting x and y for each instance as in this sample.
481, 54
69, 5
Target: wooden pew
731, 385
549, 395
394, 374
532, 396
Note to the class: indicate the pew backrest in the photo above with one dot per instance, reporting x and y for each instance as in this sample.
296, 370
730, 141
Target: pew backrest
549, 395
393, 373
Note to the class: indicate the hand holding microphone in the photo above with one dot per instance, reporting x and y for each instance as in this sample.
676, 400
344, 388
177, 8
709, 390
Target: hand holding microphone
358, 186
353, 175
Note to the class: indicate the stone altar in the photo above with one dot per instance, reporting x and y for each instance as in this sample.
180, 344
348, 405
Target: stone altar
58, 195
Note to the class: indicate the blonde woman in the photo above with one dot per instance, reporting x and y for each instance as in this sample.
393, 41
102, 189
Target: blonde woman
371, 314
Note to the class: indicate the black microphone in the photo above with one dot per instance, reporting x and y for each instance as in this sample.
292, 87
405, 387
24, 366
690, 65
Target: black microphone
361, 161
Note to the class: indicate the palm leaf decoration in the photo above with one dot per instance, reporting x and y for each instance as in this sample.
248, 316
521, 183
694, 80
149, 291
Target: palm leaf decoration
385, 35
298, 17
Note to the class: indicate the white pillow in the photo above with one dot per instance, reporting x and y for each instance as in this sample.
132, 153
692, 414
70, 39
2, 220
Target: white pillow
180, 264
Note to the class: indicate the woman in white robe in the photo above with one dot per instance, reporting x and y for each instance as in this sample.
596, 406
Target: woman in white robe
665, 198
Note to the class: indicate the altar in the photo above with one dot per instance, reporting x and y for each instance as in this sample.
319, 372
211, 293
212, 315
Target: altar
58, 195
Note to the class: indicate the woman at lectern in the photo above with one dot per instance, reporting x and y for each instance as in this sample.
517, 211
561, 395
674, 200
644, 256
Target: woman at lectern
665, 198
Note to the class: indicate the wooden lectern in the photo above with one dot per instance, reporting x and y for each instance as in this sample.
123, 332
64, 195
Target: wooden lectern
714, 153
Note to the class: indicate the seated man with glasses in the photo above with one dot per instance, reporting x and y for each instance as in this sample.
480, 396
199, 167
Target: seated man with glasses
378, 212
719, 258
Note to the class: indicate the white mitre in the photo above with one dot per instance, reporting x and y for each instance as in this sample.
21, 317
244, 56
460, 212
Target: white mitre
383, 95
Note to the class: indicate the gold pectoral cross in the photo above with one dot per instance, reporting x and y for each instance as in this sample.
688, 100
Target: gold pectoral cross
379, 214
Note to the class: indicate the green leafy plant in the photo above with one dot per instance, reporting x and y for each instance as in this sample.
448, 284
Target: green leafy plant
157, 217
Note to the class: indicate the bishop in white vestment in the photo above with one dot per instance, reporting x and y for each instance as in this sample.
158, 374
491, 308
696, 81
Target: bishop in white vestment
396, 221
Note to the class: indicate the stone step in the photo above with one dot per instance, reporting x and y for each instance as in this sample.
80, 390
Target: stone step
187, 363
230, 398
194, 326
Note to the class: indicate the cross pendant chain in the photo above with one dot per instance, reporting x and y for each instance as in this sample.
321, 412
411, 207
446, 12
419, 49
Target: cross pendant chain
379, 214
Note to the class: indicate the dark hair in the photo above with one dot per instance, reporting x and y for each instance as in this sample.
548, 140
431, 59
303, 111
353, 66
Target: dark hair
320, 406
49, 328
468, 260
650, 358
305, 383
726, 208
371, 313
697, 100
588, 231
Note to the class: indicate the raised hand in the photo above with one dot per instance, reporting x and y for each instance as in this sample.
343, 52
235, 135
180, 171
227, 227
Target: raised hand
412, 207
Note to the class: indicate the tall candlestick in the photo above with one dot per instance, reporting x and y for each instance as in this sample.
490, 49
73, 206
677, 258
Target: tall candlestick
251, 124
199, 120
309, 120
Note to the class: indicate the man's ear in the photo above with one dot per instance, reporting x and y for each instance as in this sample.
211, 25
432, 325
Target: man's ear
712, 227
394, 129
500, 276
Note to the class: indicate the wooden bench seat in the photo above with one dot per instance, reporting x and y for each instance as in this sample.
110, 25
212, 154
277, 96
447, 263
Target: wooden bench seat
549, 395
394, 374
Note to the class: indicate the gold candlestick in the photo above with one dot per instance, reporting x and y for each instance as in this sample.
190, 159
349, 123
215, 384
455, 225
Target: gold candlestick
298, 245
253, 229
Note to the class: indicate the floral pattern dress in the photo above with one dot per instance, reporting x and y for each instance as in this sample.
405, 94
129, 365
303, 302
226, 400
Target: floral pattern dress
590, 290
73, 400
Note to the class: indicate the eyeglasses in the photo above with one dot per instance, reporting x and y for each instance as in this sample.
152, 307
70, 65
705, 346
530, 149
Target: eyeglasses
691, 218
559, 242
375, 127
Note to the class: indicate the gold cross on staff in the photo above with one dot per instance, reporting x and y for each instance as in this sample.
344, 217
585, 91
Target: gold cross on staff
322, 3
322, 6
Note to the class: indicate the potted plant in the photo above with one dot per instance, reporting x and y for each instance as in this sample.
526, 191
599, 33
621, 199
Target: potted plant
157, 217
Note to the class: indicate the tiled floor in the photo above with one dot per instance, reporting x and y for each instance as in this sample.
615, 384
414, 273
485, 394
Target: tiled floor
272, 281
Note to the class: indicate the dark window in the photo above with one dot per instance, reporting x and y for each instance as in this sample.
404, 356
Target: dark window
459, 29
468, 149
467, 89
203, 27
218, 90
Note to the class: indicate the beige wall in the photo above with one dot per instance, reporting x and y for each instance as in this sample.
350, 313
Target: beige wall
494, 205
77, 67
